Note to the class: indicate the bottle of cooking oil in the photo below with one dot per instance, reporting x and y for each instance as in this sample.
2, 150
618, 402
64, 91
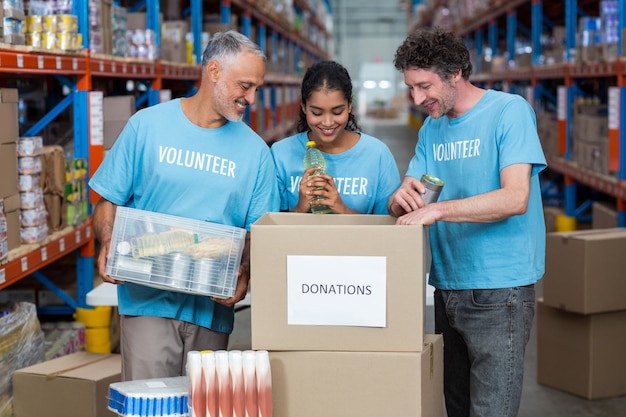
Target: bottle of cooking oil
313, 157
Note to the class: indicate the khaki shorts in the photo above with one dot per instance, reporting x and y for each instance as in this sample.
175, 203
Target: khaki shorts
156, 347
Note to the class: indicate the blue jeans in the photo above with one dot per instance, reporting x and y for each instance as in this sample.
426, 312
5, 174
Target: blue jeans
485, 333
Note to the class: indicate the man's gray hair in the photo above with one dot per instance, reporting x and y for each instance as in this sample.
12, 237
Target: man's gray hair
224, 46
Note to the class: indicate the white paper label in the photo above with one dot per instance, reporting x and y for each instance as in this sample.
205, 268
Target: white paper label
96, 118
614, 107
337, 290
561, 103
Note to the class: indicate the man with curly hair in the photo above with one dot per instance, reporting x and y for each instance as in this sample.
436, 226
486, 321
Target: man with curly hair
487, 232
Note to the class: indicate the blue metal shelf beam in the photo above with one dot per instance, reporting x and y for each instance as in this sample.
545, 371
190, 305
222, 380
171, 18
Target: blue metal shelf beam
511, 33
621, 9
153, 21
621, 175
196, 29
570, 29
50, 116
537, 18
493, 37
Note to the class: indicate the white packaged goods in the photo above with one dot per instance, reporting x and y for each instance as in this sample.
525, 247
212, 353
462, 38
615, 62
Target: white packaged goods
29, 165
163, 397
175, 253
30, 146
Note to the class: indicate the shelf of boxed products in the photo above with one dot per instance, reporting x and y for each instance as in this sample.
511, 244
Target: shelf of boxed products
556, 71
604, 183
285, 29
471, 15
32, 257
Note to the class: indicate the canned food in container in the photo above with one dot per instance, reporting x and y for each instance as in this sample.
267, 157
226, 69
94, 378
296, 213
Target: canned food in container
34, 23
433, 188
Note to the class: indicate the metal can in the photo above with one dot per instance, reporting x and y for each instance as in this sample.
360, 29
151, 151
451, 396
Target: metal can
433, 188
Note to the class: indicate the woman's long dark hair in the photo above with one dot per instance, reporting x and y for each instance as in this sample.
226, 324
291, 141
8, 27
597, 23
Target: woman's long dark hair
328, 75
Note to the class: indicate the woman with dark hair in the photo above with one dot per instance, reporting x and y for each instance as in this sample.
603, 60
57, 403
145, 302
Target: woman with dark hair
361, 171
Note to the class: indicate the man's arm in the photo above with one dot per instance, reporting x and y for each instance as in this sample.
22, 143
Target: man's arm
509, 200
102, 220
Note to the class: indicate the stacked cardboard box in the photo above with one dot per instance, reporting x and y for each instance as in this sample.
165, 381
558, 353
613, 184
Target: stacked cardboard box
338, 301
173, 41
581, 321
4, 246
547, 129
116, 112
74, 385
9, 135
604, 215
590, 135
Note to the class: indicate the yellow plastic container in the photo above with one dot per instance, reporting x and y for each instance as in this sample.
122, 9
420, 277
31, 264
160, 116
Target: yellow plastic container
99, 316
565, 223
97, 335
101, 348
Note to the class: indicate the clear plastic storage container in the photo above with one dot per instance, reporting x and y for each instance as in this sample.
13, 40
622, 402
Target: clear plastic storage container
175, 253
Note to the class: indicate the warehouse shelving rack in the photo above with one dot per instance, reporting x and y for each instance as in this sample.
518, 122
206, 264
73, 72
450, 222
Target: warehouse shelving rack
532, 13
78, 70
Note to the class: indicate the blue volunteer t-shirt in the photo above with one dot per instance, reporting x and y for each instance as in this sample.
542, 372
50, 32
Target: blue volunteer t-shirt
162, 162
468, 153
365, 175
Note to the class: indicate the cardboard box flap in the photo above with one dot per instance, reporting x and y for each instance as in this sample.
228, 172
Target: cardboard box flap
584, 271
305, 219
74, 385
81, 365
594, 234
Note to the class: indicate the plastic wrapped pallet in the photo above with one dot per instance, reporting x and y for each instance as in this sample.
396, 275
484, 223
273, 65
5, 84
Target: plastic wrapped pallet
21, 345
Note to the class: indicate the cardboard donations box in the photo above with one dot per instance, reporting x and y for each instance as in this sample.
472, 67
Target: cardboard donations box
585, 271
581, 354
336, 282
359, 384
75, 385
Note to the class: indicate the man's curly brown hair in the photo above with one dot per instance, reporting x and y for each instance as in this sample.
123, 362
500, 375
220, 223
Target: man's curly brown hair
434, 49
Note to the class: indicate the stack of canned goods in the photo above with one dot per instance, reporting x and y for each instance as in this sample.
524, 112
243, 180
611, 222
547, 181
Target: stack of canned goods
53, 32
